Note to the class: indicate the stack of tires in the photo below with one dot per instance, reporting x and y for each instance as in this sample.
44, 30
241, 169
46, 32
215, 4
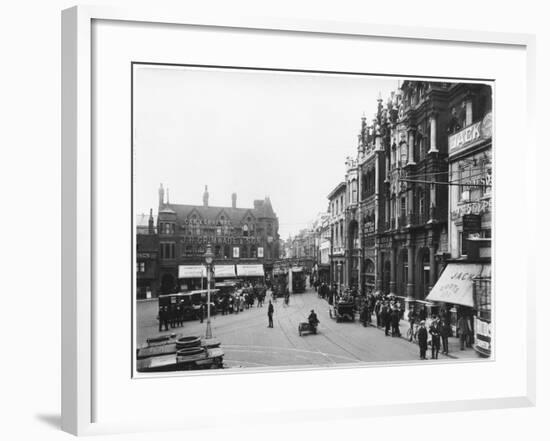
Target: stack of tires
188, 346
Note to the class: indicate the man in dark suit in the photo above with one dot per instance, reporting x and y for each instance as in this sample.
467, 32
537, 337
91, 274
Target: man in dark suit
435, 331
422, 337
270, 310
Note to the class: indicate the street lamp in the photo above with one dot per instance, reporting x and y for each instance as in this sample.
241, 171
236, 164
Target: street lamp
208, 258
339, 266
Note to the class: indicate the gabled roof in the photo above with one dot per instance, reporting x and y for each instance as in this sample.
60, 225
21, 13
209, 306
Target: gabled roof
212, 213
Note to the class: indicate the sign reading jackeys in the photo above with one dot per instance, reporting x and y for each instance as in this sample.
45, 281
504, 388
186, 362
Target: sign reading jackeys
471, 134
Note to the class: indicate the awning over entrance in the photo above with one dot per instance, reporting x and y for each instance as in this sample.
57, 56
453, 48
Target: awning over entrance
456, 284
224, 271
250, 270
191, 271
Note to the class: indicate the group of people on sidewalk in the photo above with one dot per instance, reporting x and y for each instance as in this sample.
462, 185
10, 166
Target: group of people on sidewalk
440, 331
389, 311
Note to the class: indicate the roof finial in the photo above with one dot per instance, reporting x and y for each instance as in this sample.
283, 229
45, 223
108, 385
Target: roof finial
205, 196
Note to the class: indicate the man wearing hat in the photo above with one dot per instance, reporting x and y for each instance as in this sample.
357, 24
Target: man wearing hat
422, 337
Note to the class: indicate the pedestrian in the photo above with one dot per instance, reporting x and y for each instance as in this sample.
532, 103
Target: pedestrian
270, 310
165, 317
463, 330
411, 318
386, 318
365, 314
395, 317
201, 312
377, 308
160, 317
446, 332
435, 332
422, 337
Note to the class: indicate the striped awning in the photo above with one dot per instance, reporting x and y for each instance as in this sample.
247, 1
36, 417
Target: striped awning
250, 270
456, 284
191, 271
224, 271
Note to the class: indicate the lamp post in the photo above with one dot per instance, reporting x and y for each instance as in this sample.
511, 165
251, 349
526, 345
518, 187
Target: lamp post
208, 258
339, 266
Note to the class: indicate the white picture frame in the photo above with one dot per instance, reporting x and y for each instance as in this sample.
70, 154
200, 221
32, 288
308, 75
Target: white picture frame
81, 411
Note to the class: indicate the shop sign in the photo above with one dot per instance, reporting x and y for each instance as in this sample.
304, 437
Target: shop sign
220, 240
477, 207
207, 222
368, 227
471, 223
472, 134
145, 255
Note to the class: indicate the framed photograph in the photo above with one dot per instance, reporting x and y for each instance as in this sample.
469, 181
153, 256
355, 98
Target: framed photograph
300, 207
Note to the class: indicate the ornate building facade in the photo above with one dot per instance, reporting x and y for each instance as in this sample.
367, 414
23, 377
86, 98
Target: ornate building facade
413, 240
245, 241
338, 233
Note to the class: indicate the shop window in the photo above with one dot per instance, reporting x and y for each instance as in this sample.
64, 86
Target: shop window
461, 244
482, 297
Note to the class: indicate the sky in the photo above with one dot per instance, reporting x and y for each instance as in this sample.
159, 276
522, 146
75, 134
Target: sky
254, 133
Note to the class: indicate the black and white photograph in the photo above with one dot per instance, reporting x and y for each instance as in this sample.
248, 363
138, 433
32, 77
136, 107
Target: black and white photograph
306, 219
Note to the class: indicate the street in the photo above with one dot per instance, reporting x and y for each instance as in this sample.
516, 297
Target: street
248, 342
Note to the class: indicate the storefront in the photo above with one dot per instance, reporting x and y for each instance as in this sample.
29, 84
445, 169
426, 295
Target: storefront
191, 277
466, 287
224, 271
251, 273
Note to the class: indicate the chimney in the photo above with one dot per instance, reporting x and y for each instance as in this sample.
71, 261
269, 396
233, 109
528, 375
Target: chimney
161, 195
234, 200
205, 196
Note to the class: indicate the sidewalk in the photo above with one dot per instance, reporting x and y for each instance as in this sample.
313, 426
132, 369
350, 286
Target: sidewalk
454, 343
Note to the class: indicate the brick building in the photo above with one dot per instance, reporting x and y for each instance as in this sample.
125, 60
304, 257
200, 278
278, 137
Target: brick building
245, 241
147, 262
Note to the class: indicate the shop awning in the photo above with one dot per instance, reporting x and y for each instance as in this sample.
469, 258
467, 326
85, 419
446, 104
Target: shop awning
250, 270
224, 270
456, 284
191, 271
